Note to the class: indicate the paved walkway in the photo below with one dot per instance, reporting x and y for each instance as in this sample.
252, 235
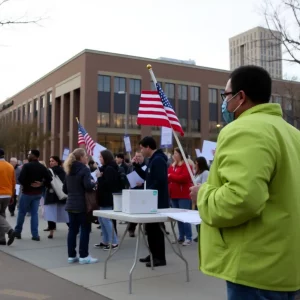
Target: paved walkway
21, 280
51, 255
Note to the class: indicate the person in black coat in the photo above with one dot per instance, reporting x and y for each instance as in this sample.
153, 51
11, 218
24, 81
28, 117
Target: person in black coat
156, 179
78, 182
108, 183
54, 209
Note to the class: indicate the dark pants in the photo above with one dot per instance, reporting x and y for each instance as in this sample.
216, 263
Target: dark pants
156, 241
51, 225
132, 227
237, 292
78, 221
12, 207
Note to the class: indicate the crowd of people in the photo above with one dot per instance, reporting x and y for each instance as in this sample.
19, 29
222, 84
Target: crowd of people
66, 202
248, 199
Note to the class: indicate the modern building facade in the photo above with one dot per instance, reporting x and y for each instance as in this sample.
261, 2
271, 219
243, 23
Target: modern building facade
88, 85
258, 46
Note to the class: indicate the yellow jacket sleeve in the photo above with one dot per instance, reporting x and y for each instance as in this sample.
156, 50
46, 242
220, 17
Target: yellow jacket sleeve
237, 187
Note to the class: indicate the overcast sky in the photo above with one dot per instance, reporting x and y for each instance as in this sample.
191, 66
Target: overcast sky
189, 29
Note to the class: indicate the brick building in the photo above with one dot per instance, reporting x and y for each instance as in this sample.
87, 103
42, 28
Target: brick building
87, 86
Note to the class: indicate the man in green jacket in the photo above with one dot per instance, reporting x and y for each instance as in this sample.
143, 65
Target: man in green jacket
250, 205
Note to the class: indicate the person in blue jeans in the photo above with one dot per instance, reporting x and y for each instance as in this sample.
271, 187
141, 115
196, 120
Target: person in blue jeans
78, 181
237, 291
33, 177
108, 183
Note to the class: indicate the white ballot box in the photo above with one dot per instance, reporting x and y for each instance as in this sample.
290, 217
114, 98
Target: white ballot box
117, 201
139, 201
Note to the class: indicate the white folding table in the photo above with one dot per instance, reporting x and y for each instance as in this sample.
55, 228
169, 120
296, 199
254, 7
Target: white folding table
141, 219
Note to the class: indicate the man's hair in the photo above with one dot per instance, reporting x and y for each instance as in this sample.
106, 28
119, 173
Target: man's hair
14, 159
254, 81
148, 141
35, 152
120, 155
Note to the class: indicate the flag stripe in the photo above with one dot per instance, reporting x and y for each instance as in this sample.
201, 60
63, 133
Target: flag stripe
156, 110
85, 139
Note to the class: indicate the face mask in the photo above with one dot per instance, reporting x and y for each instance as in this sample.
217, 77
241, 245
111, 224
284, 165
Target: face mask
227, 115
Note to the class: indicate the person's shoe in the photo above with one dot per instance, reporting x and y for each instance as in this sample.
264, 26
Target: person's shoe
113, 247
50, 236
145, 260
3, 243
37, 239
72, 260
88, 260
47, 229
195, 240
179, 242
156, 263
11, 237
99, 227
101, 245
187, 243
18, 235
131, 234
12, 214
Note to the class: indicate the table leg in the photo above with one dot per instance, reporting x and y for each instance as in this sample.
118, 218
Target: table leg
146, 243
135, 257
111, 254
179, 253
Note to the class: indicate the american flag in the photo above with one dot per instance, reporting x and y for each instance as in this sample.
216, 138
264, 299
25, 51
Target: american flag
85, 139
156, 110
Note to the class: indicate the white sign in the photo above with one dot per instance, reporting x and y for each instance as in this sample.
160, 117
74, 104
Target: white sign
209, 149
198, 152
66, 153
166, 137
134, 179
17, 187
127, 143
96, 153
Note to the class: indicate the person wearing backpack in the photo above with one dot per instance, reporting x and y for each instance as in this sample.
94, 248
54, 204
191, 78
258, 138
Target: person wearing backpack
108, 183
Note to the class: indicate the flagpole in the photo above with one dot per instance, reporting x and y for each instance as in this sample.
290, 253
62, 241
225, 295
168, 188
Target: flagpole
77, 120
149, 67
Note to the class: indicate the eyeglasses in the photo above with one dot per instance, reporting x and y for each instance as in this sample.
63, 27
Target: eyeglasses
224, 95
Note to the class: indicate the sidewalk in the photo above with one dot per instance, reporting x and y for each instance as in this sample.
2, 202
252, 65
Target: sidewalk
162, 283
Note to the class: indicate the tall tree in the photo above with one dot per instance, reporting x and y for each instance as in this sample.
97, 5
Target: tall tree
284, 17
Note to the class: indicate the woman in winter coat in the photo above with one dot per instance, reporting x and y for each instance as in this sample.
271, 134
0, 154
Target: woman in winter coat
78, 182
179, 190
108, 183
55, 209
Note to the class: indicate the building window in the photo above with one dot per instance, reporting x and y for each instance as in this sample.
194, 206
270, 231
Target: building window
103, 119
277, 99
195, 93
135, 87
213, 96
42, 106
170, 90
183, 123
152, 86
132, 122
120, 84
103, 83
182, 92
119, 120
195, 125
